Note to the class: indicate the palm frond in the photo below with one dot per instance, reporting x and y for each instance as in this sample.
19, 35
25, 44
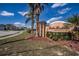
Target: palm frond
74, 19
27, 20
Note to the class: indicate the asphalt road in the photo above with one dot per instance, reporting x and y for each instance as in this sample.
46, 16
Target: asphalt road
10, 33
4, 33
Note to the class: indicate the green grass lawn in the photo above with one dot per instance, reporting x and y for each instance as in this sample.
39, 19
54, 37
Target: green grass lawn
16, 46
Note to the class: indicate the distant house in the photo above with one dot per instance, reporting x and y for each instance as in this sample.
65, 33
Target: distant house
2, 26
9, 27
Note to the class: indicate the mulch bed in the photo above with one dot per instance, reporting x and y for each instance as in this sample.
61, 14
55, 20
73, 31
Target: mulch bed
70, 43
33, 38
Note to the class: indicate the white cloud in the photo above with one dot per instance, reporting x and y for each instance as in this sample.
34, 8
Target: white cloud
6, 13
58, 5
22, 13
19, 24
63, 11
54, 19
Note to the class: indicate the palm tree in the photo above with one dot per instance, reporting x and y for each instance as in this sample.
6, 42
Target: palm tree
75, 21
30, 16
35, 10
38, 8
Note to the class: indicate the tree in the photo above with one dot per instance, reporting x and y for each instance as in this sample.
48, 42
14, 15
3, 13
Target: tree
74, 19
35, 10
30, 16
38, 8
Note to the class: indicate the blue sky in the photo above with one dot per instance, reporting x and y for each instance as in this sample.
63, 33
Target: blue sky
11, 13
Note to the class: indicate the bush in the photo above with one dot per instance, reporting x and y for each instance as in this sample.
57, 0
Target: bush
29, 30
57, 36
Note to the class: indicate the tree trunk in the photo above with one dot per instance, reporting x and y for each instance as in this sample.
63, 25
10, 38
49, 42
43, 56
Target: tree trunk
37, 25
32, 28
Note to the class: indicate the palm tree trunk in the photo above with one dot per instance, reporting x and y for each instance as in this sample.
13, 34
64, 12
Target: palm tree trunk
37, 25
32, 28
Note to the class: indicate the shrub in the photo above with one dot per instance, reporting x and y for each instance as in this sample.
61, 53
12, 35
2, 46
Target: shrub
56, 36
29, 30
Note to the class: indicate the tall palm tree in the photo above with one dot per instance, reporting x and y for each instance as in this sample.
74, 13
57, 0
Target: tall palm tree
38, 8
30, 16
